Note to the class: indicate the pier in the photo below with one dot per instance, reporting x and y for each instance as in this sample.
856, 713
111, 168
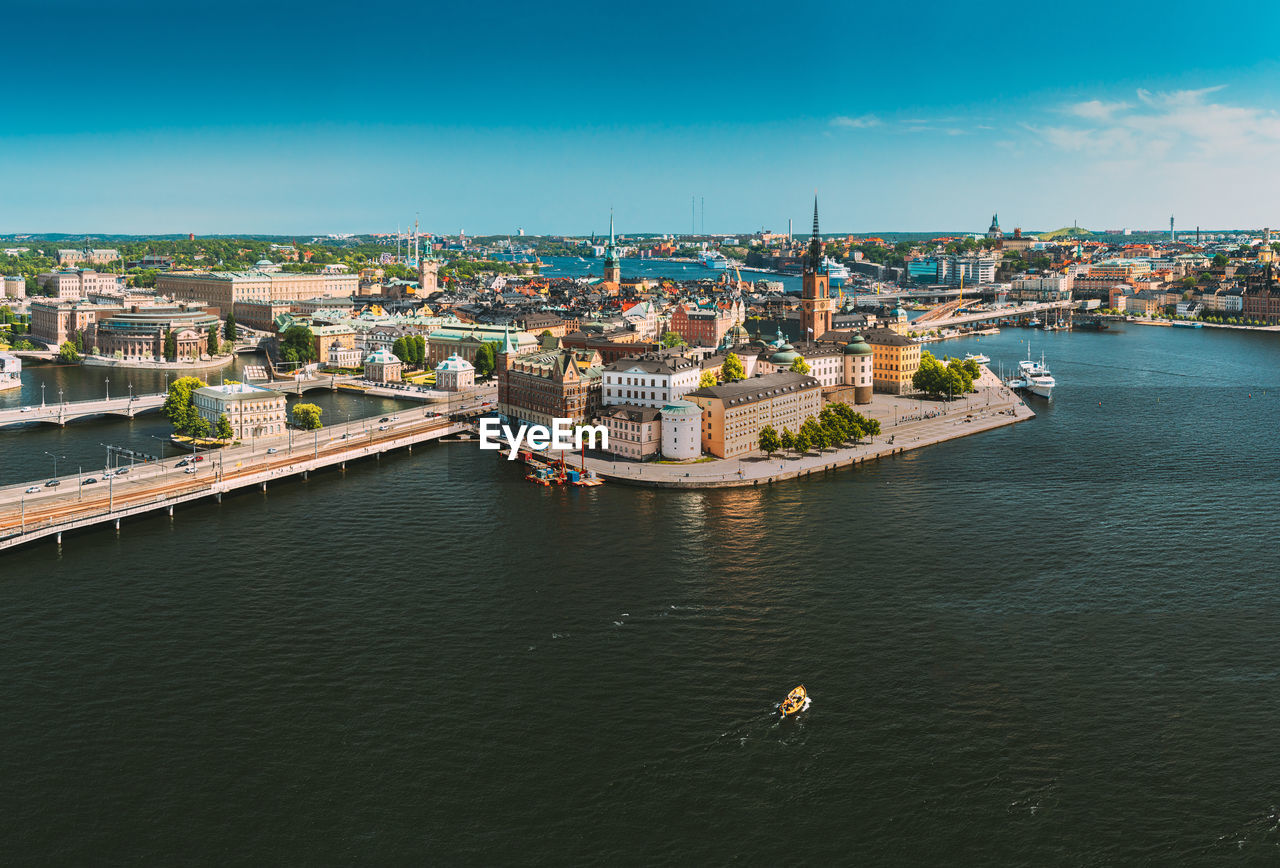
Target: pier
161, 485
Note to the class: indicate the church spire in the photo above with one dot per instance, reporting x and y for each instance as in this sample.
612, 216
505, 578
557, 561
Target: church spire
610, 227
815, 242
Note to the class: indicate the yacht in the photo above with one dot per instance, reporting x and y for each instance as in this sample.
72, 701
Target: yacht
1034, 377
977, 357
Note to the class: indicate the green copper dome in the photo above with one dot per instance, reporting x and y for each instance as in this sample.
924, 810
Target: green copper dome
857, 347
785, 355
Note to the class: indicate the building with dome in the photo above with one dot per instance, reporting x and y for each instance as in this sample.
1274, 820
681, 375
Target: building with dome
681, 431
858, 369
455, 374
994, 232
383, 366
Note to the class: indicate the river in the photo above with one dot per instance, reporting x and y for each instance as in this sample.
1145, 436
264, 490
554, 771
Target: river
1050, 644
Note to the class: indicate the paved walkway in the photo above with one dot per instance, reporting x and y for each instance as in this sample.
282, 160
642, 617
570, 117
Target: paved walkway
905, 422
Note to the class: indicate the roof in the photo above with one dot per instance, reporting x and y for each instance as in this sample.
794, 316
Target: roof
756, 388
887, 337
237, 392
381, 356
455, 363
651, 363
632, 413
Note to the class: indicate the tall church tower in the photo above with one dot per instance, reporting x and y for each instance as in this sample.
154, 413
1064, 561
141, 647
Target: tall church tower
815, 297
612, 261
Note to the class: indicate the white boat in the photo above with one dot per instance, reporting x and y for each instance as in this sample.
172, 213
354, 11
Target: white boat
977, 357
837, 272
1034, 377
714, 259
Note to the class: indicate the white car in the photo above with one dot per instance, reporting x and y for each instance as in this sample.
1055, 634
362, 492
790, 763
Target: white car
272, 451
191, 470
26, 410
35, 489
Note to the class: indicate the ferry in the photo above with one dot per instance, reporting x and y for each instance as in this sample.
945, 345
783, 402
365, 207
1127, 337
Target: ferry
714, 260
837, 272
1187, 324
977, 357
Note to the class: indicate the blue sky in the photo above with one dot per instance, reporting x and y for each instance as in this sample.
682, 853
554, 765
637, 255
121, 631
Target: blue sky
308, 118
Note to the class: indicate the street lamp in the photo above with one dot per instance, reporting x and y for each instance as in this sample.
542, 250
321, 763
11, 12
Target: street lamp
55, 462
42, 396
108, 388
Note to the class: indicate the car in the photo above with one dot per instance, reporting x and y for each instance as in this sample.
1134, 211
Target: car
89, 480
52, 483
198, 458
191, 470
382, 427
272, 451
26, 410
121, 471
35, 489
183, 463
385, 419
395, 418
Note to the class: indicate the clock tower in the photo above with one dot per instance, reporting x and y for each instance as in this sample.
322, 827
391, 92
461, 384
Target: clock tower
816, 304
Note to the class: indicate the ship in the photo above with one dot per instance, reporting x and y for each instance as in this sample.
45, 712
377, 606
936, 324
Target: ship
837, 272
714, 259
977, 357
1034, 377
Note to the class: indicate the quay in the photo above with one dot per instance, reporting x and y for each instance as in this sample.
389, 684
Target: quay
160, 485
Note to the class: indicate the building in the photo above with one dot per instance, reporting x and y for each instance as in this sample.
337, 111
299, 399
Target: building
635, 432
705, 326
383, 366
611, 345
648, 380
859, 369
681, 431
54, 321
537, 388
222, 289
966, 270
343, 357
15, 286
10, 372
894, 361
612, 259
260, 315
825, 361
138, 333
74, 284
1056, 287
252, 410
463, 340
455, 374
994, 232
816, 304
91, 256
733, 414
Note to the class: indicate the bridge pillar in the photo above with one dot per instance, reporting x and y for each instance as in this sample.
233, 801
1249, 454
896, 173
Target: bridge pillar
264, 487
59, 538
306, 474
170, 510
219, 496
117, 526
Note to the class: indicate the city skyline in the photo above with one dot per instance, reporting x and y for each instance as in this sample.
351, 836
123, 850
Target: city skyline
908, 122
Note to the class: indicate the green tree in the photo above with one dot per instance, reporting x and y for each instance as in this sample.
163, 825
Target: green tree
301, 340
213, 339
707, 380
179, 408
231, 327
769, 441
400, 349
788, 440
804, 442
799, 366
672, 339
484, 360
419, 349
732, 368
306, 416
223, 430
67, 353
170, 345
198, 426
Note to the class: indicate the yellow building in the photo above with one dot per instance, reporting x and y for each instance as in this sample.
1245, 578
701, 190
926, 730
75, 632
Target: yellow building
894, 361
734, 413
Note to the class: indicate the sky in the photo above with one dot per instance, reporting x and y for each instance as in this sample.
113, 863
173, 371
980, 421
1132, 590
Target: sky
311, 118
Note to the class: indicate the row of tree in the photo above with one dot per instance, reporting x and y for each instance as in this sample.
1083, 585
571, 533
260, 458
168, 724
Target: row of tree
836, 425
411, 350
954, 378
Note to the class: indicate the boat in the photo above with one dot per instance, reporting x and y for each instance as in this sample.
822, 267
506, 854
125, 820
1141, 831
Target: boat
1187, 324
1034, 322
714, 259
837, 272
977, 357
797, 700
1034, 377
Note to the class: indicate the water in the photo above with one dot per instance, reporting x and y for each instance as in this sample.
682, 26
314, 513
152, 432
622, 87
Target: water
571, 266
1053, 644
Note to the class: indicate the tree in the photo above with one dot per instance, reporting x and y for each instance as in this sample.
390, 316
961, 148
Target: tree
788, 440
732, 368
223, 430
769, 441
307, 416
419, 349
813, 433
803, 442
231, 327
799, 366
179, 407
198, 426
213, 339
67, 353
170, 345
400, 349
301, 340
485, 360
672, 339
707, 380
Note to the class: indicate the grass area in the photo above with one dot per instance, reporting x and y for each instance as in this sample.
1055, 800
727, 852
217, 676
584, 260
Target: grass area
701, 460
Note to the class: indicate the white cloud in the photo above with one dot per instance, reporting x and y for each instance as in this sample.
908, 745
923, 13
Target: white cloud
861, 122
1096, 109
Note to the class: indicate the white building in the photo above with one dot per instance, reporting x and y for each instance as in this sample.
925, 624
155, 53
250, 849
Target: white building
252, 410
10, 372
455, 374
681, 431
649, 380
973, 269
343, 357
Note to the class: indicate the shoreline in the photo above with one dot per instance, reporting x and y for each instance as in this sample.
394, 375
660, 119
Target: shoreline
210, 364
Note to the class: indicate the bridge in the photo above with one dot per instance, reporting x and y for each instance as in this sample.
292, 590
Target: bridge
27, 516
1025, 311
130, 405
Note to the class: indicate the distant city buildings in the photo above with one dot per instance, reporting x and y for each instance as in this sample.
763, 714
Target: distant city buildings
89, 255
223, 289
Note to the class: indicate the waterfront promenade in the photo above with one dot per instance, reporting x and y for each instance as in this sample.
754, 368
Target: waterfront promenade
906, 423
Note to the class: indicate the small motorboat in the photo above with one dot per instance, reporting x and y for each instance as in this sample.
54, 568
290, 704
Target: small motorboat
796, 701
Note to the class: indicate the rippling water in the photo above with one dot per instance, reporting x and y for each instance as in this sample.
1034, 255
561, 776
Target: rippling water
1056, 643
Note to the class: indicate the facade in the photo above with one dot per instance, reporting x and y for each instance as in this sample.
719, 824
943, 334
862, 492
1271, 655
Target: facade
537, 388
382, 366
10, 372
859, 361
635, 432
966, 270
464, 340
455, 374
222, 289
138, 333
816, 304
79, 284
15, 286
649, 380
343, 357
825, 361
894, 362
91, 256
54, 321
260, 315
705, 326
681, 431
252, 410
734, 413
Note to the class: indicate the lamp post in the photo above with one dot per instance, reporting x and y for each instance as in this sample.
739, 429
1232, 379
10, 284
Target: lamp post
55, 462
42, 396
108, 388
